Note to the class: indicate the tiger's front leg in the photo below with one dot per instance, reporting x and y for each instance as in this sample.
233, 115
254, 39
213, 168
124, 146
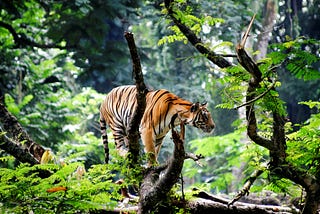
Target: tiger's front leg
148, 140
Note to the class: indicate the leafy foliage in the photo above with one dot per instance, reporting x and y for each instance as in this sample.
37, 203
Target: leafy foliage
222, 155
186, 16
299, 58
46, 88
53, 188
63, 188
306, 140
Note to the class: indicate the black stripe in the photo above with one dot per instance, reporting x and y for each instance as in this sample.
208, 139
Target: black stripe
164, 93
166, 114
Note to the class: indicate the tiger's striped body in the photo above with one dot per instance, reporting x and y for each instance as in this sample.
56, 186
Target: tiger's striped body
120, 104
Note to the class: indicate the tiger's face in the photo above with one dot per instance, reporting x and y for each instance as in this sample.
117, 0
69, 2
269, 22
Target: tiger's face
201, 117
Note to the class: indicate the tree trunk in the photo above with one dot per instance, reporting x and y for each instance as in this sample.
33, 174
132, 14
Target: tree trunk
270, 12
133, 130
155, 188
312, 200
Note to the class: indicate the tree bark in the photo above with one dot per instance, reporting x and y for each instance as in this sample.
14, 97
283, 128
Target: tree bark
19, 135
133, 131
16, 150
277, 144
270, 12
155, 188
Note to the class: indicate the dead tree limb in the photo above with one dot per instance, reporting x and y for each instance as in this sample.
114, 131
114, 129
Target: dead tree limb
256, 77
217, 203
19, 135
210, 206
133, 130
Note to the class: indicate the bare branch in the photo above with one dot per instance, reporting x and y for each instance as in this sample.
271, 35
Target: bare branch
257, 97
245, 36
247, 186
247, 62
133, 130
194, 157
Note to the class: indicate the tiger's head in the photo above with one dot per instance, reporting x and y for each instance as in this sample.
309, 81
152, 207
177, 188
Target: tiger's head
200, 117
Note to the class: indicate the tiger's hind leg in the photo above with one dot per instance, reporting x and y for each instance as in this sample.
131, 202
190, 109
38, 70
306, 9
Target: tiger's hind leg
158, 146
147, 138
103, 128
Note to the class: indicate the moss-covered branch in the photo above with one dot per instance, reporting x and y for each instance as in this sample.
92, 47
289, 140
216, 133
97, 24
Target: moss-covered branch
11, 126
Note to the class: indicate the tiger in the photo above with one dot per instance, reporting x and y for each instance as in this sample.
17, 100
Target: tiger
118, 108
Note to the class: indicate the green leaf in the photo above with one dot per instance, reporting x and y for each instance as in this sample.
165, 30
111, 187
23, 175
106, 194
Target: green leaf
11, 105
25, 100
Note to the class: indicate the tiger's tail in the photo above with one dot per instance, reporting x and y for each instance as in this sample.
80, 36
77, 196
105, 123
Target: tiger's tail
103, 128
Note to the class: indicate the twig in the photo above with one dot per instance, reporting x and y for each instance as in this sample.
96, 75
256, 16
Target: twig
194, 157
245, 36
247, 186
257, 97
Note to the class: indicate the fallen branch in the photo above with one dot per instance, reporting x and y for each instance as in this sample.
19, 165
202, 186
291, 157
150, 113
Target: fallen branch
212, 203
209, 206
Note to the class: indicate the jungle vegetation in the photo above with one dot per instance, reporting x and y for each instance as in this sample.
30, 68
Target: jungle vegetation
60, 58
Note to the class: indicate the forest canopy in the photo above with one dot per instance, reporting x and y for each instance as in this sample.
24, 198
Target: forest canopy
255, 63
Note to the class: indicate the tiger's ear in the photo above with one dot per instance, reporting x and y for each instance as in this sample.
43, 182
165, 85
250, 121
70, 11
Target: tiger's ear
195, 107
204, 104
